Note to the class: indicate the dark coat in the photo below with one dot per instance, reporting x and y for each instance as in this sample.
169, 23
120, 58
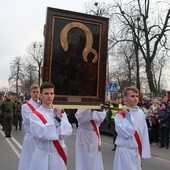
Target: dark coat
164, 117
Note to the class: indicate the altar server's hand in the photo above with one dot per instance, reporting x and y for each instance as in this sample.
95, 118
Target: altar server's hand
125, 109
58, 111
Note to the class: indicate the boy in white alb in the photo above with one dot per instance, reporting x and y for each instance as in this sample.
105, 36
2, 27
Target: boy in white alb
50, 127
29, 142
88, 141
132, 140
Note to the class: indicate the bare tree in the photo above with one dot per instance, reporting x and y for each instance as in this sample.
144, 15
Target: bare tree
30, 77
35, 54
125, 59
157, 69
16, 74
148, 34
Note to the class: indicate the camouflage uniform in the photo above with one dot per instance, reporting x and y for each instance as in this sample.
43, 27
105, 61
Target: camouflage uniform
7, 110
17, 116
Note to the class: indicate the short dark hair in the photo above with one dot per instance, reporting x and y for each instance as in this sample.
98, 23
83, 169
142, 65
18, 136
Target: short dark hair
132, 88
46, 85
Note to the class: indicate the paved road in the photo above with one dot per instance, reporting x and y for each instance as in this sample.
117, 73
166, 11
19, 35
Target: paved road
10, 151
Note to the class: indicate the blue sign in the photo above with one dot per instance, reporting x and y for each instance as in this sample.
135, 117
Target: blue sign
113, 87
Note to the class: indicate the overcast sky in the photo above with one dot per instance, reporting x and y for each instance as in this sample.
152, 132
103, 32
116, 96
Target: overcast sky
22, 22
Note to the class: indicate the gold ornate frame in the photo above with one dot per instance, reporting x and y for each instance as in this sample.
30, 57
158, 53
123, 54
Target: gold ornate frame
75, 56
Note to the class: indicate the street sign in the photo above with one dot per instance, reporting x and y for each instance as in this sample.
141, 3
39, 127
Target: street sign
113, 87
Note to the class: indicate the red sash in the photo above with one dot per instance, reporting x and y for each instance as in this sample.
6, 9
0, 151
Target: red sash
97, 134
95, 128
30, 106
55, 142
136, 135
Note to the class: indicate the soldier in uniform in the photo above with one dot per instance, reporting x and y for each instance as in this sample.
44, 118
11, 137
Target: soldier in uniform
7, 110
18, 116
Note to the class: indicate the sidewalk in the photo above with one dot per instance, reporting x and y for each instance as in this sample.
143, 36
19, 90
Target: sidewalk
160, 152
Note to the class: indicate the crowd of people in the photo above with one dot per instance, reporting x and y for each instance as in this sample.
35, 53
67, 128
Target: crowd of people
46, 127
157, 112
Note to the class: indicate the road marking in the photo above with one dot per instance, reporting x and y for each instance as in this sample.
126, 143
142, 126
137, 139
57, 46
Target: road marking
11, 144
17, 143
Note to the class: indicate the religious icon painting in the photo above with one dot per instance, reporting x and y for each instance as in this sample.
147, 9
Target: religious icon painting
75, 56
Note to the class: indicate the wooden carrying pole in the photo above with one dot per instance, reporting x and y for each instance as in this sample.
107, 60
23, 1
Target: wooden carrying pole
97, 107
